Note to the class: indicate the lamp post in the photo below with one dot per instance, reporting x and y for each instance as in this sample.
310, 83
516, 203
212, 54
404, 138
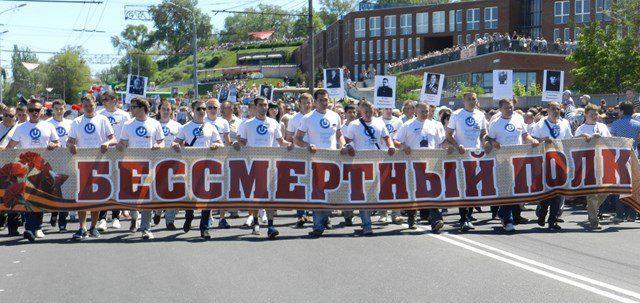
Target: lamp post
194, 46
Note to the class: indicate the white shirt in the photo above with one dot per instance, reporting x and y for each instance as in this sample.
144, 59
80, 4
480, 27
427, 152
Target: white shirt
367, 141
393, 125
467, 127
591, 129
117, 118
404, 118
321, 128
205, 134
561, 129
234, 123
35, 135
170, 130
62, 128
7, 133
507, 131
222, 126
261, 133
421, 135
90, 132
142, 134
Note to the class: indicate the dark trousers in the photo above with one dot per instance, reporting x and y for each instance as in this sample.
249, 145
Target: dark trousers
205, 218
434, 216
33, 221
13, 221
509, 213
552, 206
62, 218
103, 214
465, 214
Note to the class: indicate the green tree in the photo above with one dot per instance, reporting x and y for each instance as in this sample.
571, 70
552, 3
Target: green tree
25, 83
173, 20
300, 25
406, 86
238, 25
463, 89
67, 70
133, 36
332, 10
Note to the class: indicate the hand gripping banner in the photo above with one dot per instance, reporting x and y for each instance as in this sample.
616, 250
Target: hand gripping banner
275, 178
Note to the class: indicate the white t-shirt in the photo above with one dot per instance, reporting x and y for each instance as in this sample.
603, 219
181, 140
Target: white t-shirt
467, 127
404, 118
421, 135
35, 135
393, 125
90, 132
142, 134
591, 129
321, 128
561, 129
7, 133
117, 118
507, 131
222, 126
234, 123
62, 128
205, 134
170, 130
261, 133
367, 141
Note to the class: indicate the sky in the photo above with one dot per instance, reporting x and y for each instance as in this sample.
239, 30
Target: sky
48, 27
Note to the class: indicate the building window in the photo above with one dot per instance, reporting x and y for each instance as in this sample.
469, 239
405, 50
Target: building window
438, 22
556, 34
393, 49
525, 78
459, 20
355, 73
484, 80
386, 50
355, 50
473, 19
459, 39
418, 40
390, 25
468, 39
583, 11
364, 51
373, 72
452, 21
576, 33
378, 70
405, 24
370, 50
566, 35
561, 12
490, 17
602, 10
410, 48
374, 26
358, 27
422, 23
378, 50
401, 48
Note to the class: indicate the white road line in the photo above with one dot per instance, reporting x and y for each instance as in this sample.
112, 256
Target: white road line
16, 262
534, 270
551, 268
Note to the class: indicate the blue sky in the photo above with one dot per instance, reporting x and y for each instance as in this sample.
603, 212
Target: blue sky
48, 27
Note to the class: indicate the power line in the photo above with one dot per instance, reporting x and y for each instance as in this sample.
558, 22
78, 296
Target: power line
56, 1
258, 13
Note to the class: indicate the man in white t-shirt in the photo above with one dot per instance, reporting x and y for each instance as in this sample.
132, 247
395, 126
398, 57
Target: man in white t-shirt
170, 128
408, 110
550, 128
367, 133
62, 127
144, 133
222, 126
421, 133
466, 129
261, 131
226, 109
7, 128
322, 128
34, 133
90, 130
198, 134
592, 129
392, 124
508, 129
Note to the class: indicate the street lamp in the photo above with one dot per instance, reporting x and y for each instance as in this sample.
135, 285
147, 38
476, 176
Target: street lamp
195, 47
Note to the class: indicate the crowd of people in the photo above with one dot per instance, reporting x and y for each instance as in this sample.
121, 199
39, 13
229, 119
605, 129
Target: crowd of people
302, 123
484, 45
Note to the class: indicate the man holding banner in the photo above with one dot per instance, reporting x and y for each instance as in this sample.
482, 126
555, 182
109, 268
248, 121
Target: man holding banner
170, 129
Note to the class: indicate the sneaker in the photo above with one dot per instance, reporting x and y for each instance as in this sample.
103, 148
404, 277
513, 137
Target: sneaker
617, 220
223, 224
53, 221
555, 227
396, 219
134, 226
541, 221
560, 220
437, 227
629, 219
29, 236
300, 223
116, 223
102, 225
509, 228
471, 225
249, 222
348, 221
205, 234
256, 229
366, 231
187, 226
39, 233
595, 225
327, 224
263, 216
272, 233
94, 233
80, 234
147, 235
156, 218
171, 226
62, 228
465, 226
315, 233
383, 219
412, 225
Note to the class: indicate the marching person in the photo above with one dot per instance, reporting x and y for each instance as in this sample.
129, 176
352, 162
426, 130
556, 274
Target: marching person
89, 131
170, 129
421, 133
34, 133
226, 108
392, 124
141, 132
322, 127
62, 127
625, 127
7, 128
408, 110
367, 133
261, 131
552, 127
508, 129
350, 114
198, 134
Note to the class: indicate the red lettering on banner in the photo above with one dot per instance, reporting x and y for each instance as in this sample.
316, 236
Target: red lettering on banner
393, 181
584, 168
253, 180
200, 187
131, 181
93, 181
521, 177
324, 176
474, 177
166, 188
427, 185
556, 174
615, 171
451, 180
357, 173
287, 174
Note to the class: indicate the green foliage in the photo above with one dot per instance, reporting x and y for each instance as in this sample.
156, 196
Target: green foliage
519, 89
133, 37
238, 25
406, 86
173, 21
24, 82
300, 27
469, 89
69, 71
332, 10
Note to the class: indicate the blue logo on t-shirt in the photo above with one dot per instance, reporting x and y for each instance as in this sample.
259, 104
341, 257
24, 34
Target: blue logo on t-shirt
324, 123
141, 131
261, 129
389, 128
509, 127
197, 132
165, 130
35, 134
112, 120
470, 121
89, 128
555, 131
61, 131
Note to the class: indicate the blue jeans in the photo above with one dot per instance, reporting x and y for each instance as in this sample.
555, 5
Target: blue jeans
552, 206
170, 215
623, 210
205, 218
365, 216
33, 221
319, 218
300, 213
506, 212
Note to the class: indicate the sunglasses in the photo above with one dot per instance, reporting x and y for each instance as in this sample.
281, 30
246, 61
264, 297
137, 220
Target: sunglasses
200, 109
211, 107
9, 116
34, 110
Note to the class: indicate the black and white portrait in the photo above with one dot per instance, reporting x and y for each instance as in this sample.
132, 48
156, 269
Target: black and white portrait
503, 77
332, 77
223, 94
433, 84
266, 91
553, 80
384, 90
136, 85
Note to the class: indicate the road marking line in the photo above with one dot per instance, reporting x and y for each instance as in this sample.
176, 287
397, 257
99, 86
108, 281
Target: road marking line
551, 268
9, 275
16, 262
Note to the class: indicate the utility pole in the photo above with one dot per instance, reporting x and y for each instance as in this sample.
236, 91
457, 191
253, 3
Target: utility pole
311, 50
195, 55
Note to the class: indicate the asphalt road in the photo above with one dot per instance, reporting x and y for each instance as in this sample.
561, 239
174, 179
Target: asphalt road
395, 265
